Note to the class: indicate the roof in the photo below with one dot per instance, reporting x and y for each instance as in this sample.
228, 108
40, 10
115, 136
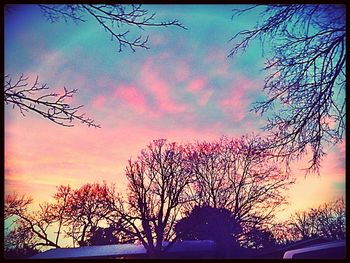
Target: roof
124, 250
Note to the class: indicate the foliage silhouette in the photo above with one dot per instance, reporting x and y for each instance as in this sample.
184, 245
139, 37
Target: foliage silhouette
208, 223
31, 228
76, 214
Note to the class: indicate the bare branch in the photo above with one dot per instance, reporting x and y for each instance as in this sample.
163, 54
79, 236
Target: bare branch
306, 81
112, 18
51, 106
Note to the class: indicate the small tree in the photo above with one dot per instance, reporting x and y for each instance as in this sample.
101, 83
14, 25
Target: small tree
326, 221
75, 213
259, 238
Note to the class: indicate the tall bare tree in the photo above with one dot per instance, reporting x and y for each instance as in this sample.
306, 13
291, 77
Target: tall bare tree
239, 175
157, 180
306, 76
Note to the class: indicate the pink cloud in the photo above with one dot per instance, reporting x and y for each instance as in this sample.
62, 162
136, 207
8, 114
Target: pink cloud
196, 85
236, 104
99, 102
133, 97
216, 55
104, 82
341, 147
218, 58
204, 97
48, 155
160, 89
182, 71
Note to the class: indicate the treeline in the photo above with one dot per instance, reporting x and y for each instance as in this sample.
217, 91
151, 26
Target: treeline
227, 190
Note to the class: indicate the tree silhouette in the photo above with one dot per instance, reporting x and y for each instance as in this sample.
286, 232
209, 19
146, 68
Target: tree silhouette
75, 213
35, 98
156, 193
31, 228
259, 238
306, 81
328, 221
102, 236
208, 223
239, 175
86, 208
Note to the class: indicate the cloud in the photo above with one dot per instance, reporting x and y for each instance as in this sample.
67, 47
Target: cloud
182, 70
196, 85
199, 89
48, 155
99, 102
163, 92
236, 101
133, 97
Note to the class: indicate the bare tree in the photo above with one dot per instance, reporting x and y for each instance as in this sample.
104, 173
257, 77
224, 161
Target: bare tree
304, 225
306, 76
18, 242
75, 213
112, 18
30, 227
36, 98
157, 180
86, 209
327, 221
239, 175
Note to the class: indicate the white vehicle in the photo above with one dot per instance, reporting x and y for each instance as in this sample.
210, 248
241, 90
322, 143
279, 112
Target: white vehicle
327, 250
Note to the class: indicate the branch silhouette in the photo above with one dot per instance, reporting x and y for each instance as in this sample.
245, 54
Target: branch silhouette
111, 17
306, 77
36, 98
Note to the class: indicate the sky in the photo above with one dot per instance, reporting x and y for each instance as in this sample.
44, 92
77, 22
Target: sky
184, 88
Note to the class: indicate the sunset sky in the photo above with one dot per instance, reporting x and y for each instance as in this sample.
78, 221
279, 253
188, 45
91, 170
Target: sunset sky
184, 88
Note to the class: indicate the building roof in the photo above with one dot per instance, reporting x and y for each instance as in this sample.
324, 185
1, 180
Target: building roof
120, 250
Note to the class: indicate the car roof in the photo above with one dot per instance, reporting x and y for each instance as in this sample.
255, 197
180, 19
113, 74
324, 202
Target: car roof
291, 253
